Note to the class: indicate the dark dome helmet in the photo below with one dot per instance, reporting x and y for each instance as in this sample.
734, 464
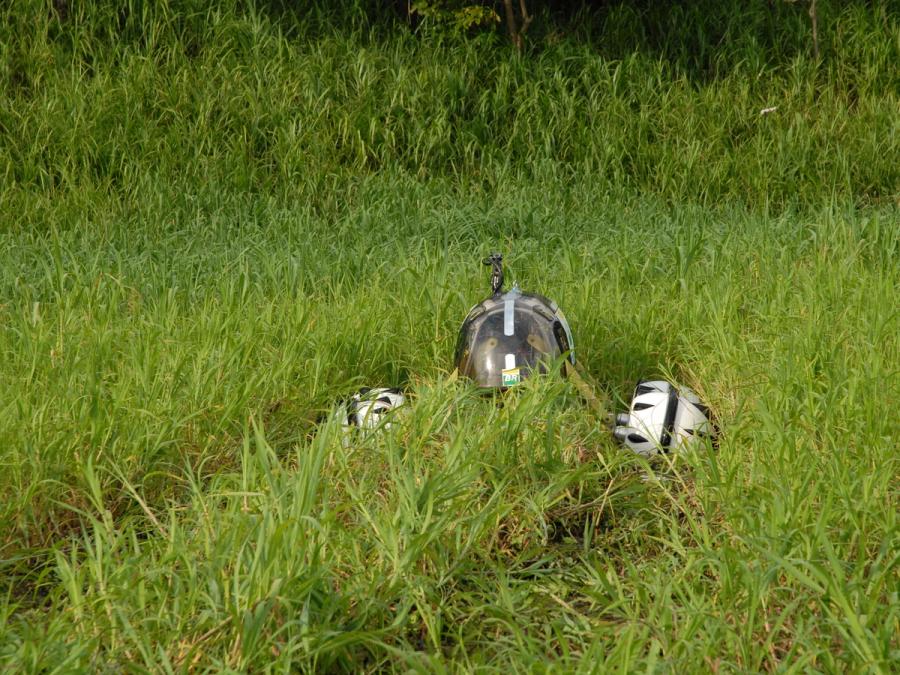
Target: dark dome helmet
511, 335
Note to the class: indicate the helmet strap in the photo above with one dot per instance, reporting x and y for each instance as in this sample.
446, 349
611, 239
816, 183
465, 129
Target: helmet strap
588, 393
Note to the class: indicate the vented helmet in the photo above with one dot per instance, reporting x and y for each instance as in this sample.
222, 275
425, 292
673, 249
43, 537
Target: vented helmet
369, 408
663, 418
512, 335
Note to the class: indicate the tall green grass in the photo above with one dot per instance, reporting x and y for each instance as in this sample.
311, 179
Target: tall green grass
206, 101
218, 222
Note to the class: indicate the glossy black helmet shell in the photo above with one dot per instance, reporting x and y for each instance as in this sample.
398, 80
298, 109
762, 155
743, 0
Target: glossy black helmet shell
510, 336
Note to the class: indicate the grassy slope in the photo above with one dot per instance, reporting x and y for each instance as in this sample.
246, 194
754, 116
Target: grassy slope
215, 225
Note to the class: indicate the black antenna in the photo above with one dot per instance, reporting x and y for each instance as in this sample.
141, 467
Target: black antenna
495, 260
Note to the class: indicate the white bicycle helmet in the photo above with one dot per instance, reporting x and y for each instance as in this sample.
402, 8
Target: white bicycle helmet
662, 418
370, 408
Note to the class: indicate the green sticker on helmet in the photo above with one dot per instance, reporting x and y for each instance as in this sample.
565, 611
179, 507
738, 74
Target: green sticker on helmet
510, 377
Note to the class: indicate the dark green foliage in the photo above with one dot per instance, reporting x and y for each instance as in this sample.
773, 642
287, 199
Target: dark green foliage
253, 100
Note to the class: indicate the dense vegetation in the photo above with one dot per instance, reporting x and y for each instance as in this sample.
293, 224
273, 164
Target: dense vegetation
218, 219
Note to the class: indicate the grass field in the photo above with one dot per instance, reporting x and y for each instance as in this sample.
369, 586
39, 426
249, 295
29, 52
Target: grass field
218, 223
